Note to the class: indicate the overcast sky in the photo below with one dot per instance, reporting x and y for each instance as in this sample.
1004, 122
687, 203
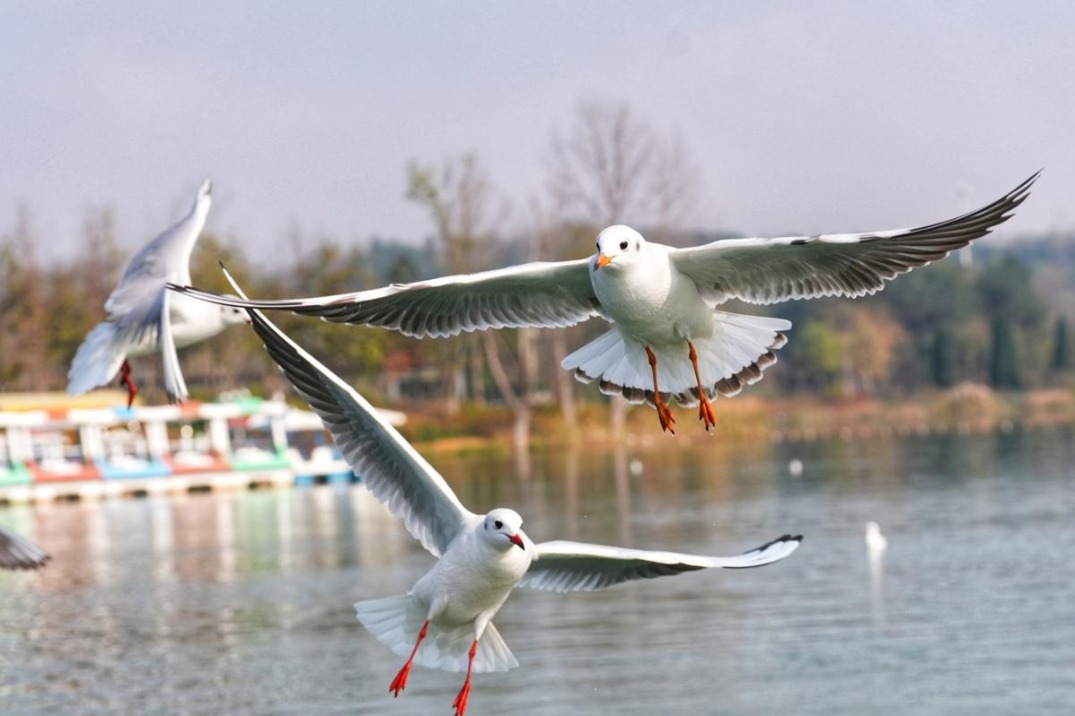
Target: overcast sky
804, 116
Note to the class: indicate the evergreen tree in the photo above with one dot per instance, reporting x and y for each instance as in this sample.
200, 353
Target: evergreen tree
1061, 358
1004, 364
942, 357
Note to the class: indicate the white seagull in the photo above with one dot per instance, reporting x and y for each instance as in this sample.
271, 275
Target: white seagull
876, 543
144, 317
668, 340
445, 620
17, 552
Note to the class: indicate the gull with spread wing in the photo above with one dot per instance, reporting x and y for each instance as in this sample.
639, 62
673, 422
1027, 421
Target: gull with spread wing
445, 620
668, 340
145, 318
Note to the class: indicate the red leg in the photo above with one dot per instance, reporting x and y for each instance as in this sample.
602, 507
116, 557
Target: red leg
664, 414
400, 681
125, 380
705, 408
460, 703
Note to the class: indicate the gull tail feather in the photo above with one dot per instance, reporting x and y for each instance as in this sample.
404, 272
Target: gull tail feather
735, 355
396, 621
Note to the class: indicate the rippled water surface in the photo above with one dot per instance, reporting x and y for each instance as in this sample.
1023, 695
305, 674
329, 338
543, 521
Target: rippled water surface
241, 602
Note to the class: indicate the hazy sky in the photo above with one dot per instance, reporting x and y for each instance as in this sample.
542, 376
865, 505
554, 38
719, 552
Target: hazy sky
804, 116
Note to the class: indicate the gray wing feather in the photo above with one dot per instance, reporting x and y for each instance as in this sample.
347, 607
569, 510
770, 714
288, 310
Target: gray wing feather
135, 304
530, 295
17, 552
779, 269
174, 384
564, 566
390, 467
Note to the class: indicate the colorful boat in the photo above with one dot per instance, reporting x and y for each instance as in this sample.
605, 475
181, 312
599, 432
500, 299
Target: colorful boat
242, 442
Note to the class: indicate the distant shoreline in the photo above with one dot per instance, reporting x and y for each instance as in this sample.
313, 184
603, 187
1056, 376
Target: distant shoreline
965, 408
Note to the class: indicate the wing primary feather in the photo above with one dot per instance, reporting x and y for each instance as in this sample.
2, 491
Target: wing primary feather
390, 467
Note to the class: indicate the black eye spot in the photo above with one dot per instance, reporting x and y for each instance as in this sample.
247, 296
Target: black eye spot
498, 524
623, 246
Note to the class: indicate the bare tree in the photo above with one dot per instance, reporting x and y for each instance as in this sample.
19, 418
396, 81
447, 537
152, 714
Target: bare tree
548, 241
599, 168
600, 172
457, 195
674, 186
23, 311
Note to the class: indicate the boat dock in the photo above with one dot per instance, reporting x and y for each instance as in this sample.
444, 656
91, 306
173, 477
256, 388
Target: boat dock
109, 452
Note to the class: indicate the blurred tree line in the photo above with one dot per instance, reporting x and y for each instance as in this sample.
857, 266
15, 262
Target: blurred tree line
1001, 319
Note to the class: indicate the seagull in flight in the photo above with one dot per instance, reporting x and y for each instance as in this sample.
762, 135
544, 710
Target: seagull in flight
17, 552
145, 318
668, 339
445, 620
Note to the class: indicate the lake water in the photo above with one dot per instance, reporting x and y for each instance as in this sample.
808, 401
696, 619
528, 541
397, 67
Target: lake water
232, 603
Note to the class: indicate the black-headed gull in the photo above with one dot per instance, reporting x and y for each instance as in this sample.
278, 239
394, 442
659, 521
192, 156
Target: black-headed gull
445, 620
144, 317
17, 552
668, 340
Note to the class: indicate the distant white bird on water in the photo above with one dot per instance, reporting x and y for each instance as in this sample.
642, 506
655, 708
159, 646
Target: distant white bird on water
144, 317
17, 552
668, 341
445, 621
876, 543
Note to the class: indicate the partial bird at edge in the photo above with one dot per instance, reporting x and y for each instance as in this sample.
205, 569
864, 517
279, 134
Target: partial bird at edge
18, 552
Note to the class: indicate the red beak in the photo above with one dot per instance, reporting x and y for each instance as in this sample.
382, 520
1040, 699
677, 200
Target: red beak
517, 541
601, 261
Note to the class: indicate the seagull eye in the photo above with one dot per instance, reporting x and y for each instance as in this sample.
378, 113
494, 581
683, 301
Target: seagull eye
498, 524
623, 246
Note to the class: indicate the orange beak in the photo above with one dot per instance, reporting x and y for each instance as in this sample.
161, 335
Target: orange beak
601, 261
517, 541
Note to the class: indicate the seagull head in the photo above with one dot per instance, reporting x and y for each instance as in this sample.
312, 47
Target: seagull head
502, 527
233, 314
206, 188
617, 246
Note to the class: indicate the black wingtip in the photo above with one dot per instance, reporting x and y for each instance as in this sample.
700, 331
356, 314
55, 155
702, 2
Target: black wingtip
783, 538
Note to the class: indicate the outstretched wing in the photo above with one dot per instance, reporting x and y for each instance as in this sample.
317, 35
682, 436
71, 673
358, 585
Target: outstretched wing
165, 258
531, 295
563, 566
773, 270
392, 470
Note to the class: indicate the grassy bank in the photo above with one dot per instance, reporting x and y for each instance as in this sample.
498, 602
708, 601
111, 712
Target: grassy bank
964, 408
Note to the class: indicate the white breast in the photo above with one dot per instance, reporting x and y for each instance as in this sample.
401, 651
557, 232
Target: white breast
651, 301
473, 578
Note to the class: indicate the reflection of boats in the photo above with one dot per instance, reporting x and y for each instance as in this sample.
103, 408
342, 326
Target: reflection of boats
159, 448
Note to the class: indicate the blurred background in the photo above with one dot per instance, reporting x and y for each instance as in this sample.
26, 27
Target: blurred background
356, 144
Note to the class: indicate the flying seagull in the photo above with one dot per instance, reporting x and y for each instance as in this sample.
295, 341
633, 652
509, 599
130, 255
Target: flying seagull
144, 317
445, 620
17, 552
668, 340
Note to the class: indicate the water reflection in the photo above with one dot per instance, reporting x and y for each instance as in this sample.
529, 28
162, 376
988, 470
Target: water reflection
242, 600
876, 544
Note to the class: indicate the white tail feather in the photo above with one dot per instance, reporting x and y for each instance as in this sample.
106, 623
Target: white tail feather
396, 621
735, 355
